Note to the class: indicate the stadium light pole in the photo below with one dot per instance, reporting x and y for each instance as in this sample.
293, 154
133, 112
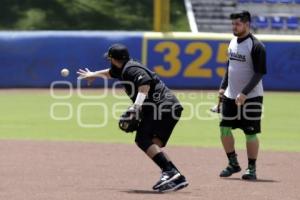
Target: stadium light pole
161, 15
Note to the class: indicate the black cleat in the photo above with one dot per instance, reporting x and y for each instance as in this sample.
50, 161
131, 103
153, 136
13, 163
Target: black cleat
174, 185
229, 170
250, 174
166, 177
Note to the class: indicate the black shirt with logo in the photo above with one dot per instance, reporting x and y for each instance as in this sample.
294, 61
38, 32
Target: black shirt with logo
133, 75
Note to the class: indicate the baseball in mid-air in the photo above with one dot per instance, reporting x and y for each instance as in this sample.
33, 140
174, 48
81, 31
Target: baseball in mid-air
65, 72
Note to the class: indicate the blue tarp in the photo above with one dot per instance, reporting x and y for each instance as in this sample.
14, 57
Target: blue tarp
35, 58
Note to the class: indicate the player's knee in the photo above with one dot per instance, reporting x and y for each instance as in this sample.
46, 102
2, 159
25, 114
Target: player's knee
225, 131
143, 144
251, 138
158, 142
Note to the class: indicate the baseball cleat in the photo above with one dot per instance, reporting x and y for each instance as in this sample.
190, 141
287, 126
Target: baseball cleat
250, 174
174, 185
229, 170
166, 177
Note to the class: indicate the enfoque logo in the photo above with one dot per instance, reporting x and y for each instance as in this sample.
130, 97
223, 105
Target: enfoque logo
196, 104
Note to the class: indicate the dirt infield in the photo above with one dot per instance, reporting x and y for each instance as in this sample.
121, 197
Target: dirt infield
92, 171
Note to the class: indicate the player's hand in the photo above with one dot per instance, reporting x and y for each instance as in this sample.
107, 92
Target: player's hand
130, 120
240, 99
217, 108
86, 74
135, 111
221, 93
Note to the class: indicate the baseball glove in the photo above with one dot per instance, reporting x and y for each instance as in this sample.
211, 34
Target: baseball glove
129, 120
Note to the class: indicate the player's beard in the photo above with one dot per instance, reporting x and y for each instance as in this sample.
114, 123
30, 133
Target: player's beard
116, 70
239, 34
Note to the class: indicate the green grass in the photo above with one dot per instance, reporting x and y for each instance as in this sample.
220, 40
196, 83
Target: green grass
26, 115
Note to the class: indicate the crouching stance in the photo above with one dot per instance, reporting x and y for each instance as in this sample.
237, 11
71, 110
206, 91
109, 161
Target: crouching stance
153, 115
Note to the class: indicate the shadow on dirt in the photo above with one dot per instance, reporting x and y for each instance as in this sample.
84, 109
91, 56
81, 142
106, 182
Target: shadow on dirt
142, 192
150, 192
254, 181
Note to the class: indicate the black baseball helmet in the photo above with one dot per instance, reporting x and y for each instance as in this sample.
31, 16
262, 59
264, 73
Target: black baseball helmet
117, 51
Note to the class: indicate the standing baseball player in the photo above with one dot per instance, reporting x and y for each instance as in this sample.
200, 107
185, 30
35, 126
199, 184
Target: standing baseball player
153, 115
242, 93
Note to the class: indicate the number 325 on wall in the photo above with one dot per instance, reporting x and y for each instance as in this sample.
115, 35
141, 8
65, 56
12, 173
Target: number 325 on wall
196, 68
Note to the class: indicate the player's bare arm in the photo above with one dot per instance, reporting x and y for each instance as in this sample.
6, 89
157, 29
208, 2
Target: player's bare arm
91, 76
86, 74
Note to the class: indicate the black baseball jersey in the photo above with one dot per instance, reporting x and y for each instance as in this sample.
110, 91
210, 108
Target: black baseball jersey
138, 75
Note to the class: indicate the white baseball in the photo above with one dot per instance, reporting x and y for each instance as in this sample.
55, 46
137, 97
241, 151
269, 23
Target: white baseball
64, 72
